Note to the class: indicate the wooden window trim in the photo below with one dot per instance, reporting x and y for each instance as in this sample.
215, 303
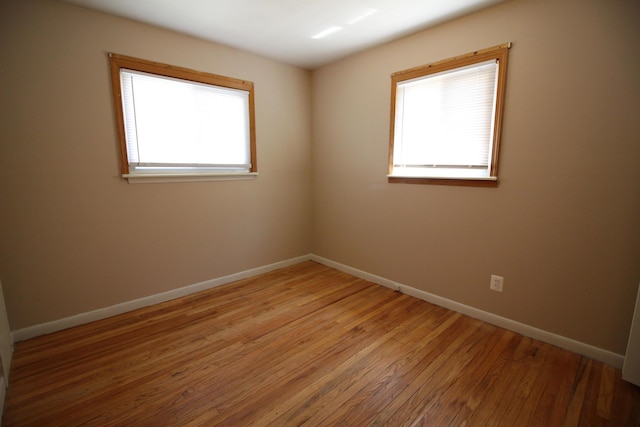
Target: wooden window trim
117, 62
499, 53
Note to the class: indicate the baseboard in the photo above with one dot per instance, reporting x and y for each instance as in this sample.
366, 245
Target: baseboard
596, 353
358, 273
588, 350
102, 313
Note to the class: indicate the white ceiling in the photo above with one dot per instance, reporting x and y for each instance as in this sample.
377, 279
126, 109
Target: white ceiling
283, 29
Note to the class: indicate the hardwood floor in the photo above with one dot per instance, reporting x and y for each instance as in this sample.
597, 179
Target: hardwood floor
307, 345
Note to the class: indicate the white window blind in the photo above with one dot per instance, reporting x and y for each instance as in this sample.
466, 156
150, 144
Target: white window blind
444, 122
184, 126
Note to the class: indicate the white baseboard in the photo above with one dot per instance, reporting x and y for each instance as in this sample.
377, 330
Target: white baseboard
602, 355
102, 313
588, 350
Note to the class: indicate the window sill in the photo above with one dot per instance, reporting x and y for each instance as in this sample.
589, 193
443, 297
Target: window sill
490, 181
148, 178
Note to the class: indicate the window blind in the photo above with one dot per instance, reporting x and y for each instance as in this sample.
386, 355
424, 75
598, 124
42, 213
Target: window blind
446, 119
179, 124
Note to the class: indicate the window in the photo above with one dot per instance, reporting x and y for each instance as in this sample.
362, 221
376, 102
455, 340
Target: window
446, 119
179, 123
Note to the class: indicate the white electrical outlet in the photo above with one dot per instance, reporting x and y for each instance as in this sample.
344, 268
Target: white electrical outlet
497, 282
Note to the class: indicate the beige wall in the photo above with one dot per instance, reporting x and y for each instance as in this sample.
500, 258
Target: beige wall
6, 342
563, 227
74, 235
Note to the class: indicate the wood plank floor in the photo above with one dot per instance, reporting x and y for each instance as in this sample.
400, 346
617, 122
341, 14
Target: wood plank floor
307, 345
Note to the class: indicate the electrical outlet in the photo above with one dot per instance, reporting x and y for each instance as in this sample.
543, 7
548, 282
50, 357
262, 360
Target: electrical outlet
497, 282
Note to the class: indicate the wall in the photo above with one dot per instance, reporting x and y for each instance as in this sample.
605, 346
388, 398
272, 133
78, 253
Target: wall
563, 226
6, 343
74, 236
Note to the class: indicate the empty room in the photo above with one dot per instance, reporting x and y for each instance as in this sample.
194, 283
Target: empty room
318, 212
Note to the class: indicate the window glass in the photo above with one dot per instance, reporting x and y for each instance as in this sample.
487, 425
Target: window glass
446, 117
175, 121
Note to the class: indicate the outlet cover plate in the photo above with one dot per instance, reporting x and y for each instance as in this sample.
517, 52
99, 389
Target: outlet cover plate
497, 283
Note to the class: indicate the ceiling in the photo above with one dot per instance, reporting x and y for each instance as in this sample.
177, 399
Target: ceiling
284, 29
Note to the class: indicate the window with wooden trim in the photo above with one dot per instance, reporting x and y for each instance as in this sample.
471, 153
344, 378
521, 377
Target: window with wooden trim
446, 119
174, 122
